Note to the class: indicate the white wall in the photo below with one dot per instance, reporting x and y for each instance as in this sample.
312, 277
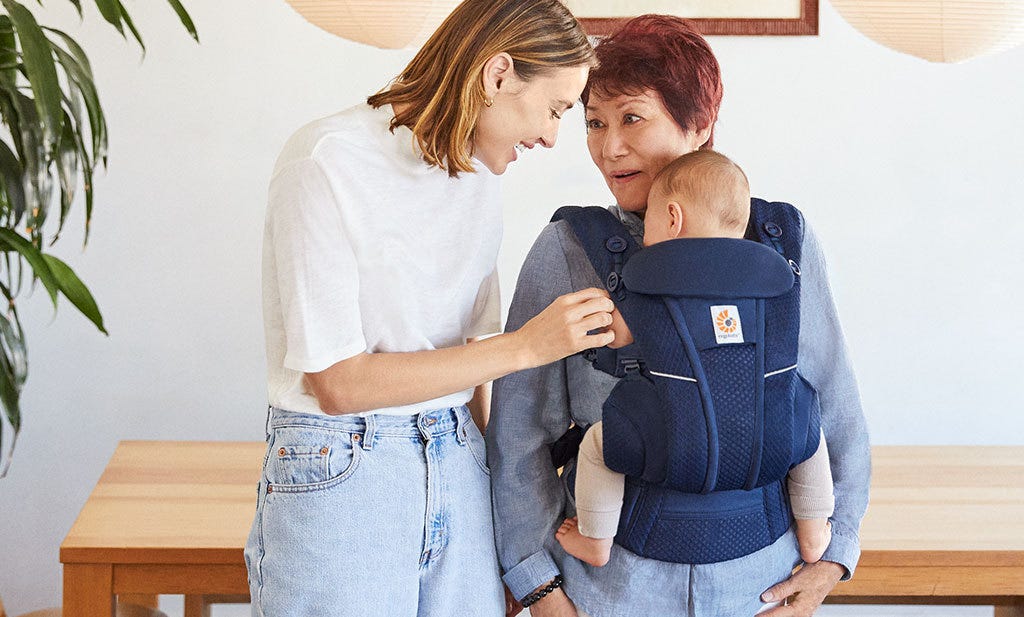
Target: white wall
910, 172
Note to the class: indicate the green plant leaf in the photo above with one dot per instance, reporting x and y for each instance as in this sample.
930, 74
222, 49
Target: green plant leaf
110, 12
38, 182
12, 241
67, 171
87, 182
77, 68
9, 390
78, 6
13, 372
10, 178
8, 48
12, 339
185, 19
74, 66
131, 26
39, 67
75, 49
75, 291
9, 396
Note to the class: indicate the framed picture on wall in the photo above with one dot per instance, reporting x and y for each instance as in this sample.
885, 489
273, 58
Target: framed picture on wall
745, 17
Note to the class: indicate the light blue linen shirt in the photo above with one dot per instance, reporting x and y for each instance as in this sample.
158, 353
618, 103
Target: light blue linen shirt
533, 408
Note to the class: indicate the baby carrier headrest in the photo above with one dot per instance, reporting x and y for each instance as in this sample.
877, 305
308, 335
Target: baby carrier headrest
708, 268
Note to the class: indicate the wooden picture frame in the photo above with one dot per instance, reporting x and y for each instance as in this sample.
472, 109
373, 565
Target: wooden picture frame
598, 22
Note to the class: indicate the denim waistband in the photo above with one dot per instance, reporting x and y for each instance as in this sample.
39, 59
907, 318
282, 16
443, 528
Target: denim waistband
425, 424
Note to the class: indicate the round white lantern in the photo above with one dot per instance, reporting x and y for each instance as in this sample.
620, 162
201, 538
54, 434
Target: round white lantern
390, 24
938, 30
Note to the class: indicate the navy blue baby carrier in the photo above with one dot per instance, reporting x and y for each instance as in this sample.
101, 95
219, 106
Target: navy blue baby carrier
710, 412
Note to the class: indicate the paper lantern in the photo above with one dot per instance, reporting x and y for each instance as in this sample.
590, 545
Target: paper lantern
938, 30
390, 24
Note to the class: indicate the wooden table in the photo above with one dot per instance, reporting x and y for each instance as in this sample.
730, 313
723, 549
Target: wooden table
166, 517
945, 526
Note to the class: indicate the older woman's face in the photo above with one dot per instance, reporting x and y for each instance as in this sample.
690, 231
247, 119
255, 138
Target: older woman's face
631, 138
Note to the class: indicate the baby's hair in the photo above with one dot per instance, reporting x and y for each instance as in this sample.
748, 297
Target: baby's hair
711, 181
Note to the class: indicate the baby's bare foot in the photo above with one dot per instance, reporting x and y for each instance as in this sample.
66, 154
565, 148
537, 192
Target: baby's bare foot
595, 551
814, 536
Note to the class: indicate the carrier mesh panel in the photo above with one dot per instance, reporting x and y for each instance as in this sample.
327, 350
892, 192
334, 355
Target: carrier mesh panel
661, 348
707, 540
779, 391
806, 415
687, 434
730, 371
653, 527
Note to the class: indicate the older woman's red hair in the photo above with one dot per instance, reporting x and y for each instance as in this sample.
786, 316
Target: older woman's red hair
665, 54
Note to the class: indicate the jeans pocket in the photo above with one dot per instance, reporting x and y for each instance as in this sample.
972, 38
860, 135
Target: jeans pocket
475, 442
307, 459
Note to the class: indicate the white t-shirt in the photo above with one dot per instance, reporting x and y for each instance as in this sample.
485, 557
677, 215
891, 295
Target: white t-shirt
367, 248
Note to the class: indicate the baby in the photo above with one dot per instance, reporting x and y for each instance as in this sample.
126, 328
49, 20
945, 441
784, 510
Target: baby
699, 195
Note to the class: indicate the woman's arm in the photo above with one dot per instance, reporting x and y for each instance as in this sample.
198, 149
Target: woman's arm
373, 380
824, 362
531, 410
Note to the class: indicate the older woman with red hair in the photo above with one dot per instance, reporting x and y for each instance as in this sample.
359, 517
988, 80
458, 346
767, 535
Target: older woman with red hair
655, 96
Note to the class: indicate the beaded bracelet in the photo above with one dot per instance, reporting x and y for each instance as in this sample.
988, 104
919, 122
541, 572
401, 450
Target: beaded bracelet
534, 597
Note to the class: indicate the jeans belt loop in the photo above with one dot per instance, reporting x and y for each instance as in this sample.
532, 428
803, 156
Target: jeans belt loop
462, 416
266, 425
369, 432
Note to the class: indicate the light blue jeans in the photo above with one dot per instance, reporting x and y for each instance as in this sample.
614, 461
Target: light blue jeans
633, 586
383, 515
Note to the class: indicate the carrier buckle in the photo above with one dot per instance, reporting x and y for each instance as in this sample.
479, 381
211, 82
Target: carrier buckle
628, 366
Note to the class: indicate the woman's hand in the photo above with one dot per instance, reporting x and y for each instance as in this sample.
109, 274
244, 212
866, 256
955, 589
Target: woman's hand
555, 604
806, 589
561, 329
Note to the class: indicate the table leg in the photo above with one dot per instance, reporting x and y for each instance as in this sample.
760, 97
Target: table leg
1015, 610
196, 606
149, 600
88, 590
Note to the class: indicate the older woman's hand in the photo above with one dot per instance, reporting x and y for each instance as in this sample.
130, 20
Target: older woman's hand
806, 589
561, 329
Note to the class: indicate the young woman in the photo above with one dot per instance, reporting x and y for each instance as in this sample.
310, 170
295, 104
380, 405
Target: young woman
382, 234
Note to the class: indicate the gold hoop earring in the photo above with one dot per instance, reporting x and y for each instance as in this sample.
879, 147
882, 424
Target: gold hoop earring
488, 102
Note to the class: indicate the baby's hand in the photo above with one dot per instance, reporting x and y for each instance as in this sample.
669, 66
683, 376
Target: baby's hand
623, 336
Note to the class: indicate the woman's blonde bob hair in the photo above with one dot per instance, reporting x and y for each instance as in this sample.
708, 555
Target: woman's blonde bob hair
441, 92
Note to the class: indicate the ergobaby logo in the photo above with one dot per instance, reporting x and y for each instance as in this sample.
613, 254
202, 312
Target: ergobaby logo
726, 322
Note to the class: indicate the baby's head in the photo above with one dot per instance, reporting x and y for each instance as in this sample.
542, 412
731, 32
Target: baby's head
699, 195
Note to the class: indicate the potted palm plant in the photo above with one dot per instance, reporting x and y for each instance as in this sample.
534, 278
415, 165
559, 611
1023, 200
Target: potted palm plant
54, 140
